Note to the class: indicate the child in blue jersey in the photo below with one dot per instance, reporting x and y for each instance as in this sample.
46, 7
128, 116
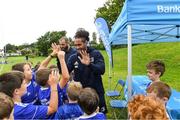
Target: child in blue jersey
42, 76
89, 101
14, 85
155, 69
71, 110
32, 88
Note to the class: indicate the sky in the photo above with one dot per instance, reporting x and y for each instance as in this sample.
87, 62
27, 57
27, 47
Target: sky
23, 21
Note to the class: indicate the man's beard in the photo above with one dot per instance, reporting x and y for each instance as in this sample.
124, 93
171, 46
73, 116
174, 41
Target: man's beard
65, 49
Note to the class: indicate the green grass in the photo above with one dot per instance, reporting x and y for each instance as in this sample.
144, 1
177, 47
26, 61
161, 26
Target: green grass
142, 54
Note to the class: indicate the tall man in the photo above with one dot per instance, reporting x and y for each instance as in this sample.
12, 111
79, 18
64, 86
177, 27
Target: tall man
64, 45
88, 65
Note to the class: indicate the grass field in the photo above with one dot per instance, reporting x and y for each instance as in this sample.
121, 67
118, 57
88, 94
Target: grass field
142, 54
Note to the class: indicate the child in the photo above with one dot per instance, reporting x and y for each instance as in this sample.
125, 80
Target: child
42, 76
14, 85
32, 88
160, 90
89, 101
71, 110
146, 108
155, 69
6, 106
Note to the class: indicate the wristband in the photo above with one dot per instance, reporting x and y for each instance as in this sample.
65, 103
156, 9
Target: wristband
51, 56
54, 90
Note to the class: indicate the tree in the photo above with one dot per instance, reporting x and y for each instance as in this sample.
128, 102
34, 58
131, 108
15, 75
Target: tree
45, 41
110, 11
94, 37
10, 48
71, 41
26, 51
94, 40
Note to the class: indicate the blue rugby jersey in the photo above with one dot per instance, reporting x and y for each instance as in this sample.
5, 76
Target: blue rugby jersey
44, 95
96, 116
31, 95
68, 111
29, 111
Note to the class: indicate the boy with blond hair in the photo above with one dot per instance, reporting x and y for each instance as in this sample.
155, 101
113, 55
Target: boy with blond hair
71, 110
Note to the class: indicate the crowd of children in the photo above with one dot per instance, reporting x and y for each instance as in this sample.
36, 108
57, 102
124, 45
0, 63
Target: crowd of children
153, 104
44, 94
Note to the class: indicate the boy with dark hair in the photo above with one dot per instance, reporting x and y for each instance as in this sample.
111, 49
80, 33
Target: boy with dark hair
32, 88
6, 106
14, 85
89, 102
42, 76
155, 69
71, 110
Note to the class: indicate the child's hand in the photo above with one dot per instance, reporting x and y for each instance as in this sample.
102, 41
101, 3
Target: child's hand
53, 78
55, 49
61, 54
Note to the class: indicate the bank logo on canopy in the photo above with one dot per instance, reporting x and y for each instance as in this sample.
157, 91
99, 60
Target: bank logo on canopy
168, 9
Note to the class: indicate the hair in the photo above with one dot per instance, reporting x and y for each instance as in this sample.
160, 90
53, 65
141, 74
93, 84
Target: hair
156, 65
64, 38
10, 81
161, 89
82, 33
73, 90
146, 108
53, 67
88, 100
6, 105
19, 67
42, 76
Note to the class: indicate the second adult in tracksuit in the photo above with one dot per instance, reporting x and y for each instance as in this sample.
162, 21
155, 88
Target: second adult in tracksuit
90, 75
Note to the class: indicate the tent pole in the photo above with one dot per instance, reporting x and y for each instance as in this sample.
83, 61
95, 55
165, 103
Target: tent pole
129, 77
110, 75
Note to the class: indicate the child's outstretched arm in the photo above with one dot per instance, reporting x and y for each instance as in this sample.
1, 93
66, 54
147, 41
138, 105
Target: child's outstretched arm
65, 74
53, 103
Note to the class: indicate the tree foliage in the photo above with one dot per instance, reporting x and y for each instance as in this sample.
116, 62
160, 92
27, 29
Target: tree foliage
10, 48
94, 37
110, 11
44, 42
